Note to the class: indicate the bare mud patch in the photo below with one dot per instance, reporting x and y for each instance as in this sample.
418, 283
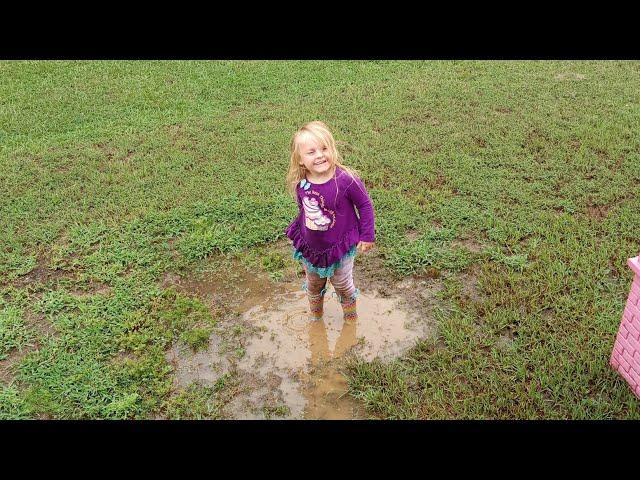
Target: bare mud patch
412, 235
597, 212
40, 324
504, 342
468, 244
9, 364
92, 288
470, 289
505, 339
41, 275
287, 366
371, 274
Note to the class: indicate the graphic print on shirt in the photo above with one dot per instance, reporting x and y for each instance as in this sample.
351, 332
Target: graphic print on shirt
316, 216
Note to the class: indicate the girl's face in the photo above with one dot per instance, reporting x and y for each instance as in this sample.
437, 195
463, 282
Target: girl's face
314, 156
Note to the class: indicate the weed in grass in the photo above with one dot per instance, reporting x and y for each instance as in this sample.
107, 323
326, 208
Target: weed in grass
276, 411
196, 402
197, 338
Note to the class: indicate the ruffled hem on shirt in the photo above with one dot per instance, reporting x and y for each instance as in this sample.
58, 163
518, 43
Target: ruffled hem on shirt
324, 258
325, 272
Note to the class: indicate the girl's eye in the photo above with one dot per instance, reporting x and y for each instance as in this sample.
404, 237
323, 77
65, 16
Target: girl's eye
324, 148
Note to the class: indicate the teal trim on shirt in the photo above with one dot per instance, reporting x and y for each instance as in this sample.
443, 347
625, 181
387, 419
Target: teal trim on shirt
325, 272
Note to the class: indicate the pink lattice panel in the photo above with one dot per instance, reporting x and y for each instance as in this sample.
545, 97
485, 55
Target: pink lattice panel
625, 357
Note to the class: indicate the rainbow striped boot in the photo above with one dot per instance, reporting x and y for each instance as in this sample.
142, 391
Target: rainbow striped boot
316, 306
316, 303
348, 303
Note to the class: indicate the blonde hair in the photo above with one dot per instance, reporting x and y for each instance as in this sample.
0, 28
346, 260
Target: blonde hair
321, 133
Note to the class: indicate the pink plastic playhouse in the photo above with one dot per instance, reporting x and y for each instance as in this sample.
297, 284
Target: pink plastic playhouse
625, 357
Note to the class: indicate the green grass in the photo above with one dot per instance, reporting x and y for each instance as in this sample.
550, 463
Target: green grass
13, 332
114, 173
198, 402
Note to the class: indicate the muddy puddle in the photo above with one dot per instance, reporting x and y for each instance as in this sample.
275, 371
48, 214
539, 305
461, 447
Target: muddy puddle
287, 363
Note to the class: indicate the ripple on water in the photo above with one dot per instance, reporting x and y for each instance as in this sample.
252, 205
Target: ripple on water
311, 351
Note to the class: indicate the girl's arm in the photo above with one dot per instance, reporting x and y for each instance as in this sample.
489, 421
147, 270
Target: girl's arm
359, 196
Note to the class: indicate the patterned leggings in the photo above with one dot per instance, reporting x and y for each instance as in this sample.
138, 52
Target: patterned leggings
342, 281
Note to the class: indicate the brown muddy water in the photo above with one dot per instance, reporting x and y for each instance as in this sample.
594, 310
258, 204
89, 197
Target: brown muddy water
289, 362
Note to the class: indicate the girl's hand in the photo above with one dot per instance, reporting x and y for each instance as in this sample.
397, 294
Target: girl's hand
364, 246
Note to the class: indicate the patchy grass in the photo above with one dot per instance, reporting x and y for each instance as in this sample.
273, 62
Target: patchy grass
13, 332
13, 405
197, 402
276, 412
115, 173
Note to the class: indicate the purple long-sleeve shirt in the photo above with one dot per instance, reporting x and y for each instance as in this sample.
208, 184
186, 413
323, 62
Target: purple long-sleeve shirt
327, 226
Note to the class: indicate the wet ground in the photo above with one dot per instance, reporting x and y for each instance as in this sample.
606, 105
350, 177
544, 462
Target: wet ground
288, 364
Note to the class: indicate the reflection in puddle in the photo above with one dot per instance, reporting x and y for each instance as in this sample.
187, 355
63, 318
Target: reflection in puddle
326, 395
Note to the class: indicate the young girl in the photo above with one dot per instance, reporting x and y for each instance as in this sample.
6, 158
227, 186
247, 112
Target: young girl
327, 231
